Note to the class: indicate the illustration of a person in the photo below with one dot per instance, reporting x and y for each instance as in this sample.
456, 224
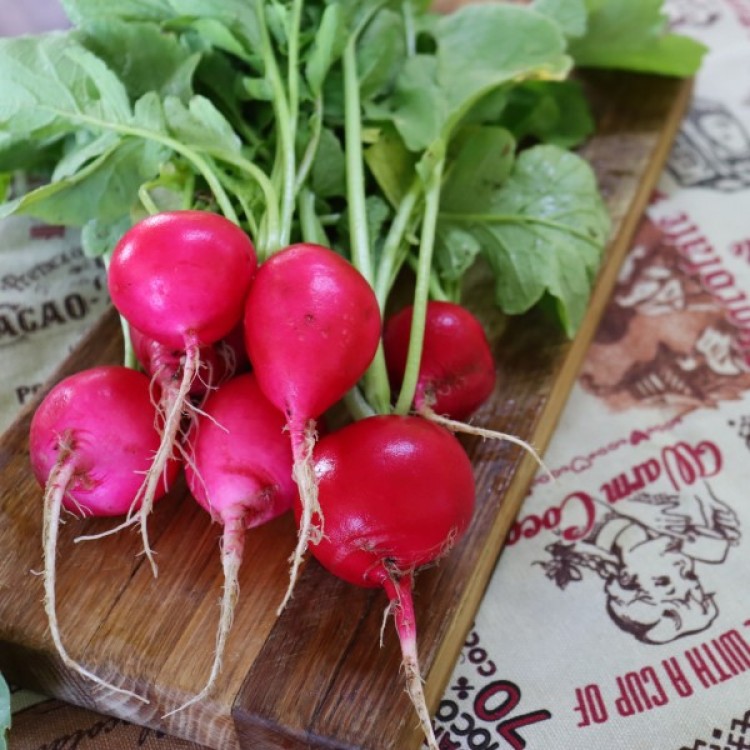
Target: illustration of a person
647, 553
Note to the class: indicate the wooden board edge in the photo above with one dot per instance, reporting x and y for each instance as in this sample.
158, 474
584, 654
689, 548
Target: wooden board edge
450, 648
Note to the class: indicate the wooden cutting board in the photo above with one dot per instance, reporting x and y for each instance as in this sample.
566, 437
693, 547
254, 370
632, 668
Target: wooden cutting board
315, 677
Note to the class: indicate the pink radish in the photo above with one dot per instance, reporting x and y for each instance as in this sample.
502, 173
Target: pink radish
312, 327
239, 468
218, 363
397, 493
456, 371
91, 441
180, 277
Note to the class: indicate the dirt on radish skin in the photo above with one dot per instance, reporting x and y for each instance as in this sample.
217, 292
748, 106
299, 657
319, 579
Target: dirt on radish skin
457, 369
312, 327
239, 469
180, 277
91, 440
397, 493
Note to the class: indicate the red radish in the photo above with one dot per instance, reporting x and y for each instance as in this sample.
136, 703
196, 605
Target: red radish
91, 441
239, 468
456, 371
312, 327
180, 277
218, 363
397, 493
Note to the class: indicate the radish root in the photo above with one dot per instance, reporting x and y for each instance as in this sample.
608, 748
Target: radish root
303, 443
173, 411
455, 426
232, 548
57, 486
399, 593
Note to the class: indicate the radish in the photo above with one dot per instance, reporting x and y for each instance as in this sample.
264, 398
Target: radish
219, 362
456, 370
91, 441
180, 277
312, 327
397, 493
239, 468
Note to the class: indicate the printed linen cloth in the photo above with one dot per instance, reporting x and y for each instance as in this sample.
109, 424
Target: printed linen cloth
618, 615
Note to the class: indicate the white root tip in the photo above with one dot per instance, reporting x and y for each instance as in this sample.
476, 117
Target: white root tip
57, 486
304, 475
415, 689
456, 426
232, 546
174, 406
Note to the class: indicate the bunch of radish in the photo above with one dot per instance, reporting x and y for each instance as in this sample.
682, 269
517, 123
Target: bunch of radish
374, 500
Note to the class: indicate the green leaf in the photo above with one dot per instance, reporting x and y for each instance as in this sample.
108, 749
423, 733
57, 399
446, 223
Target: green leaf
570, 15
238, 16
200, 124
555, 112
100, 237
162, 63
50, 84
328, 176
391, 163
482, 47
101, 189
483, 160
479, 49
542, 233
381, 52
634, 36
417, 106
330, 40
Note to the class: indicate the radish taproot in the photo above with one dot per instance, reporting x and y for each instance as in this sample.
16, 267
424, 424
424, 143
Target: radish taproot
180, 277
312, 327
239, 469
90, 442
397, 493
456, 369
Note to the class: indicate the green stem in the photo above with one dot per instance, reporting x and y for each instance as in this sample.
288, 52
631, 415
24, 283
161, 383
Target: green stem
388, 267
146, 200
376, 385
421, 292
355, 173
312, 229
357, 405
192, 156
128, 354
518, 219
308, 158
284, 129
239, 193
437, 291
293, 66
271, 220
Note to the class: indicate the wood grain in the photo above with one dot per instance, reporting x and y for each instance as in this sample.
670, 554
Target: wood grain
314, 677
